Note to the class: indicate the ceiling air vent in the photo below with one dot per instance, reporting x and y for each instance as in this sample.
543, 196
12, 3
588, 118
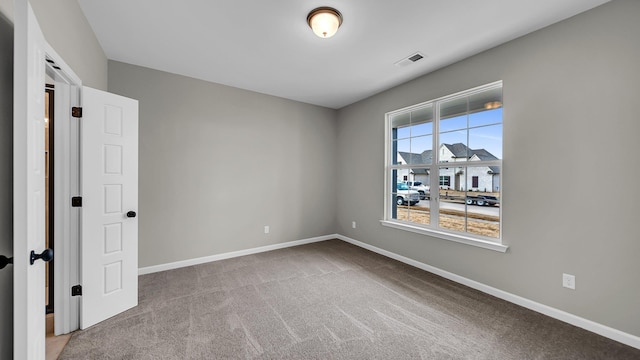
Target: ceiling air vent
409, 60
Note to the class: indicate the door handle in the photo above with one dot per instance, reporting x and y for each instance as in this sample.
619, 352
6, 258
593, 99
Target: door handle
4, 261
46, 256
131, 214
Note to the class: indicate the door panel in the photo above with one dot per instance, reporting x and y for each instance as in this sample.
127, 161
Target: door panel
109, 178
28, 184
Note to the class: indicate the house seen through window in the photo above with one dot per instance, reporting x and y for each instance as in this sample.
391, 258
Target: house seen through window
444, 165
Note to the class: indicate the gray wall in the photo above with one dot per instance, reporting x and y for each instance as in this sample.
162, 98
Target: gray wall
6, 187
66, 29
6, 9
218, 163
570, 121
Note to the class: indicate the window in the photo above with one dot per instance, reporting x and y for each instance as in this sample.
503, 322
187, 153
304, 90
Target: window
458, 139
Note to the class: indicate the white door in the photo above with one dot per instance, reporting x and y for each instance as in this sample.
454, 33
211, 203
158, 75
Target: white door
109, 182
28, 185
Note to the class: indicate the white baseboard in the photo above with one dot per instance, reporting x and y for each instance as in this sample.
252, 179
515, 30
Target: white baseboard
583, 323
564, 316
229, 255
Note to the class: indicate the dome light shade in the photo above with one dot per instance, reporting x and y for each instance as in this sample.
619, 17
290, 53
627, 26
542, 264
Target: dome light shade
324, 21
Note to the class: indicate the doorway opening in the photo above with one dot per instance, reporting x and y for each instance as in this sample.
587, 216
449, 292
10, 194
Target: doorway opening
53, 345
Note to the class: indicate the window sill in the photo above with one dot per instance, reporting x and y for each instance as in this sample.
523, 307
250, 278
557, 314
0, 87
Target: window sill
446, 236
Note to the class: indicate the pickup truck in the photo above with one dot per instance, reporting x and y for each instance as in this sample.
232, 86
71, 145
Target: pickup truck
421, 188
482, 200
405, 195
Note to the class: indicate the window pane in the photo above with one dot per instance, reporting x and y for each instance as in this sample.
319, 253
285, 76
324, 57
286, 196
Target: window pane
451, 109
421, 149
452, 206
420, 214
485, 105
483, 201
399, 189
422, 129
408, 158
419, 182
488, 179
487, 117
404, 145
401, 151
472, 203
402, 175
403, 213
422, 121
454, 123
409, 200
453, 146
486, 143
403, 132
401, 123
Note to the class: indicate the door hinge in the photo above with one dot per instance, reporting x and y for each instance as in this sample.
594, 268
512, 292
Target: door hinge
76, 201
76, 290
76, 112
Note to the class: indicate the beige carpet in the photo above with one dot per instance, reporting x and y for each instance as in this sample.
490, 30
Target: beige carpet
328, 300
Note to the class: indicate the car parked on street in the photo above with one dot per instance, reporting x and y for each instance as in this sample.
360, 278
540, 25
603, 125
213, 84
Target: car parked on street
404, 195
420, 187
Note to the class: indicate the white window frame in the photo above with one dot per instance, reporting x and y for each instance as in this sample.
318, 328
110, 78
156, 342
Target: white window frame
433, 229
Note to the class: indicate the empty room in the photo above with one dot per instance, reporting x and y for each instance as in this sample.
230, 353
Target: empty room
319, 180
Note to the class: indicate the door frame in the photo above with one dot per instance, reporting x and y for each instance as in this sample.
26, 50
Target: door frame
67, 177
66, 174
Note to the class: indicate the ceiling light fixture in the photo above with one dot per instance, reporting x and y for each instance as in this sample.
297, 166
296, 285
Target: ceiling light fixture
324, 21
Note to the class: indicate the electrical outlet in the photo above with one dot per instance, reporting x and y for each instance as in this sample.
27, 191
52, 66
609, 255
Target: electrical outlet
569, 281
353, 224
266, 229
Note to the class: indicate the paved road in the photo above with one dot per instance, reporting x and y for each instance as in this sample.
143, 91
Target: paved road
485, 210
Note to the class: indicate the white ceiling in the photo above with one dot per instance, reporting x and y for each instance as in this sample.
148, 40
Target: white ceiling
266, 45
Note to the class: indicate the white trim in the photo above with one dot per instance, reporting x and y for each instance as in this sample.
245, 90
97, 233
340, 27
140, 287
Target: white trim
434, 229
446, 236
606, 331
65, 175
65, 70
229, 255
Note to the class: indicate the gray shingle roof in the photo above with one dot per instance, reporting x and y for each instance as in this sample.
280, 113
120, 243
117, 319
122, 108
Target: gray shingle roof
412, 158
483, 154
460, 150
427, 156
